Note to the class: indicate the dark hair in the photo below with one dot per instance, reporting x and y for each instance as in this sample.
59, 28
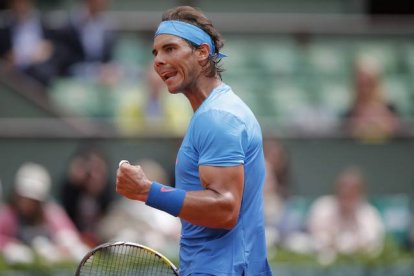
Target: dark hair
196, 17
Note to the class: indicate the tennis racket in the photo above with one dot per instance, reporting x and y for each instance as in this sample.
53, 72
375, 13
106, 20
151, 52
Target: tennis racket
125, 258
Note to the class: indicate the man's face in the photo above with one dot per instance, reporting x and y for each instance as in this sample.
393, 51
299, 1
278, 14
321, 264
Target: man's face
27, 207
97, 6
21, 8
175, 62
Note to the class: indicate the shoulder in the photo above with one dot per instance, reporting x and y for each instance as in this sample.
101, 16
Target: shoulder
7, 215
368, 209
224, 108
216, 124
56, 216
217, 117
53, 209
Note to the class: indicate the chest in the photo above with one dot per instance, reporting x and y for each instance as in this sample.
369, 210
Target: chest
186, 167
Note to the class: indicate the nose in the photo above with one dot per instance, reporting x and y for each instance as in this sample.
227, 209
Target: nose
158, 60
157, 67
158, 64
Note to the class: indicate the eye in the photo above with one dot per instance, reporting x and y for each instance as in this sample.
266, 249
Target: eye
169, 49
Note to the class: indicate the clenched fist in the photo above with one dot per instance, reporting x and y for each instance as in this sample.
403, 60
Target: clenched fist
131, 182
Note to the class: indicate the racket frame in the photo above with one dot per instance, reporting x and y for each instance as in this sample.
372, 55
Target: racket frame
132, 244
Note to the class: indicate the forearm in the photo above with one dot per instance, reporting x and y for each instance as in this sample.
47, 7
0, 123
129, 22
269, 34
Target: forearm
210, 209
216, 206
206, 208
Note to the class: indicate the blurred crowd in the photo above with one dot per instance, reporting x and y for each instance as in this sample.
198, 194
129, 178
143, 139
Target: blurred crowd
36, 224
80, 47
347, 222
85, 212
371, 116
83, 47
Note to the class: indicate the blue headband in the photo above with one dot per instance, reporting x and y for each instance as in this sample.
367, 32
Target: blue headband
189, 32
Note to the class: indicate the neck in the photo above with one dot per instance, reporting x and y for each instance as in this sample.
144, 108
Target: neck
198, 92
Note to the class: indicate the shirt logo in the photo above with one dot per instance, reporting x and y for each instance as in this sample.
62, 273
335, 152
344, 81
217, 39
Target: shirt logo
166, 189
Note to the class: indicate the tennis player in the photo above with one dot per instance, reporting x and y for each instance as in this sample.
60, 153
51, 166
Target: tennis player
220, 166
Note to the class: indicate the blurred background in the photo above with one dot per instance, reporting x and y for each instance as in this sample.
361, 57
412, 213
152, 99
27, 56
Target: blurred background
330, 81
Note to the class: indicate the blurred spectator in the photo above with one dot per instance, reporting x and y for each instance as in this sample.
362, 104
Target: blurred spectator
87, 191
153, 108
275, 188
133, 221
277, 166
284, 213
27, 44
33, 225
345, 223
161, 109
89, 43
370, 117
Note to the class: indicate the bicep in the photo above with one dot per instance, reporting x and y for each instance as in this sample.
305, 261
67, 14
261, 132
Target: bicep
226, 182
218, 204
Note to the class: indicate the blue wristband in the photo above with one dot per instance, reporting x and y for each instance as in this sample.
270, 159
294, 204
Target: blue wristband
165, 198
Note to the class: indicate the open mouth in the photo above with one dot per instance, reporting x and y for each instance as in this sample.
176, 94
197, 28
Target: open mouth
167, 75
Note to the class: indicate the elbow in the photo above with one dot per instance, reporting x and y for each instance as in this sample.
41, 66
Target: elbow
230, 217
230, 223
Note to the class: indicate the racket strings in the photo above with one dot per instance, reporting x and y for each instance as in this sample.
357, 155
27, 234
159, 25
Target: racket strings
126, 260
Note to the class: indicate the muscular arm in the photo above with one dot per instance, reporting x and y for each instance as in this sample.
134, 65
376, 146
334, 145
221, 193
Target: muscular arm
218, 205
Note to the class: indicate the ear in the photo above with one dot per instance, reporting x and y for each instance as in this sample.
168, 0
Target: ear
203, 52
